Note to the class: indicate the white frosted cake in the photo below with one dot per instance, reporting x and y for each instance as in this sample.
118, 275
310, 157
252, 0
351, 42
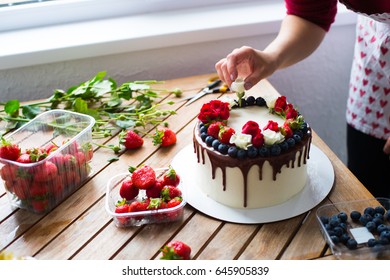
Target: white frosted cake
251, 156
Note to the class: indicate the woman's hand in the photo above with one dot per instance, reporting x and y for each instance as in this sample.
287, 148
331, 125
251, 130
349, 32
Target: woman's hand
248, 63
296, 40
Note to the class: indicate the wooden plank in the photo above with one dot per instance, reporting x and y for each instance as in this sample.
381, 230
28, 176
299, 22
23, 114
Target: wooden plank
228, 242
308, 242
148, 241
270, 241
196, 233
110, 241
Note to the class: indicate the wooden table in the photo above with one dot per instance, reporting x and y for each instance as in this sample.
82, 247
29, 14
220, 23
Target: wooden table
80, 228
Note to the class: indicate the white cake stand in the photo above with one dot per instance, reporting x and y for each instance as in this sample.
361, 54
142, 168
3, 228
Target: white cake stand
319, 184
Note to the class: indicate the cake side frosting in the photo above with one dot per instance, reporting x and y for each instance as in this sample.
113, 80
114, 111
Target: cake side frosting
251, 181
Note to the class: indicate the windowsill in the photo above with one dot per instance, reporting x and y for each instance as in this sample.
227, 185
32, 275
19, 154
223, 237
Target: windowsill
137, 33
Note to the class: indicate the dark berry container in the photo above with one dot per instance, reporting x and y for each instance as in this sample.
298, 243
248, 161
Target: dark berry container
357, 229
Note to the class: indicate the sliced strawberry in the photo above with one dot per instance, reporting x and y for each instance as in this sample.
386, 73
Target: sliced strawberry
130, 139
144, 177
128, 190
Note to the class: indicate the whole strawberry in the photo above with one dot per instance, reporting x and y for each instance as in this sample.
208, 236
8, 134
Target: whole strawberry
128, 190
170, 192
143, 177
214, 128
225, 133
130, 139
176, 250
164, 137
170, 177
8, 150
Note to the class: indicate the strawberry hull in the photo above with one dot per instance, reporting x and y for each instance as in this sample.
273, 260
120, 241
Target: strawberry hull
161, 215
41, 185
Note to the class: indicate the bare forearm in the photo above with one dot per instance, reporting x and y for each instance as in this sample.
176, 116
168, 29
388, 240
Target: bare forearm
297, 39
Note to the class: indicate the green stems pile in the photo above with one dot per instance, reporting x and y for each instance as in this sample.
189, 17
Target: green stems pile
131, 105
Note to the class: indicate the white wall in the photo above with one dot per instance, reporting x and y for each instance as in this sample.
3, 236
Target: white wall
317, 85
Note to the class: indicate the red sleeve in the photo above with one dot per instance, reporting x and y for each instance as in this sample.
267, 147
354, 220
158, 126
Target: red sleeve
320, 12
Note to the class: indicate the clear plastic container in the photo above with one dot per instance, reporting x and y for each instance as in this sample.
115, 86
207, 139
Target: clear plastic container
371, 242
142, 217
40, 186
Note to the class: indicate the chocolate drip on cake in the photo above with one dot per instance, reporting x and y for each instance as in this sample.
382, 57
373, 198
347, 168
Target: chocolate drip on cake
221, 161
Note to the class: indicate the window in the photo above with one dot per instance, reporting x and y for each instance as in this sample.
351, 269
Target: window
19, 14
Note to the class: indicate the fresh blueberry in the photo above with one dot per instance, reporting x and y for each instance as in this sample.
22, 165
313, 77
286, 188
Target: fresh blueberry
243, 103
203, 129
371, 226
334, 221
297, 138
343, 226
327, 227
260, 101
385, 234
223, 148
290, 142
381, 227
203, 136
343, 216
250, 100
298, 132
335, 239
209, 140
232, 151
365, 218
370, 211
351, 244
380, 210
344, 238
372, 242
264, 151
241, 154
215, 144
283, 146
252, 152
355, 215
275, 150
338, 231
378, 220
324, 220
304, 128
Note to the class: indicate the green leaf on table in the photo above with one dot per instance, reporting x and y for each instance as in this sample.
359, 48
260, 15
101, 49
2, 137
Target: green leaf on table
101, 88
125, 123
12, 108
30, 112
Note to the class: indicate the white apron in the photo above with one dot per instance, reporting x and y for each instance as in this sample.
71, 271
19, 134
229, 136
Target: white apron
368, 107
